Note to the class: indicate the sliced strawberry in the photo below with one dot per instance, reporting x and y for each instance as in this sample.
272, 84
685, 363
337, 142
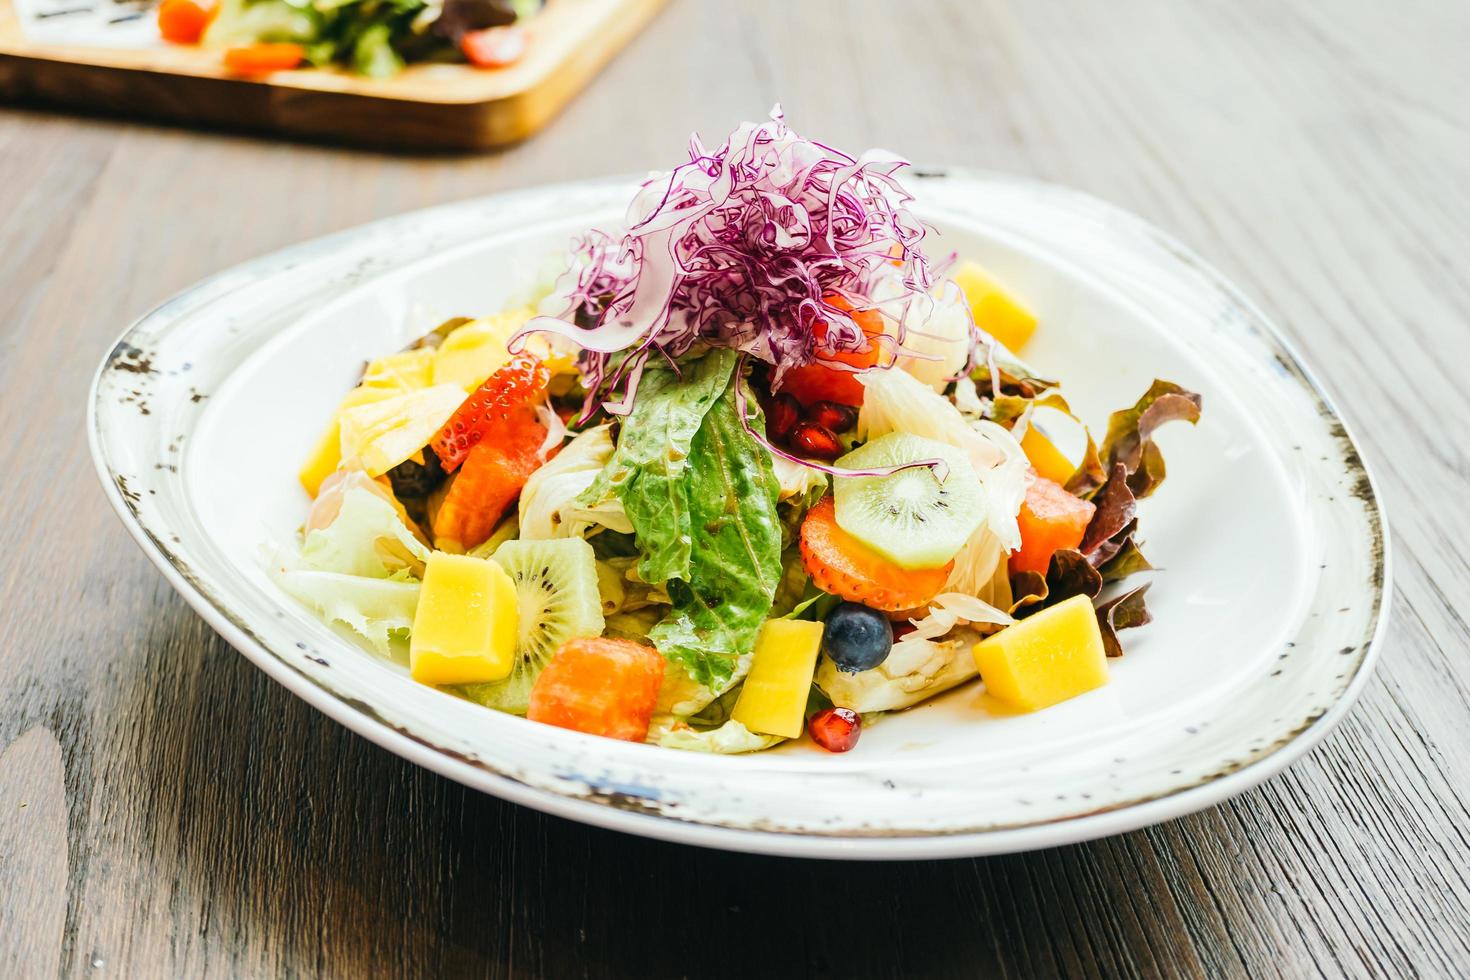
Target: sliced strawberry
502, 400
599, 686
490, 480
842, 565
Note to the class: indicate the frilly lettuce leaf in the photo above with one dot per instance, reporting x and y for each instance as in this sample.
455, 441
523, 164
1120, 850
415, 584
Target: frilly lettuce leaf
950, 609
1123, 612
366, 538
731, 738
682, 696
619, 578
797, 481
551, 504
634, 625
1130, 433
1116, 508
376, 609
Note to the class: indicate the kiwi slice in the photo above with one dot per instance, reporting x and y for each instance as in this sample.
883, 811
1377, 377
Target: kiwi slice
909, 517
556, 590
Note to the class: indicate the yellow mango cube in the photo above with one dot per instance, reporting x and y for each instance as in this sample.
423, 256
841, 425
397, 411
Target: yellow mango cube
381, 434
773, 700
474, 351
1046, 658
1045, 457
997, 310
326, 456
406, 370
464, 629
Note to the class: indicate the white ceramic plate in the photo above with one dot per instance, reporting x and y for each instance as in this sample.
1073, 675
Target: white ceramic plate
1265, 619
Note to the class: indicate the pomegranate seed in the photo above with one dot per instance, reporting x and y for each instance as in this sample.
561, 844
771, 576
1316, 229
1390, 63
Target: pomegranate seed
811, 439
783, 413
903, 629
835, 729
833, 415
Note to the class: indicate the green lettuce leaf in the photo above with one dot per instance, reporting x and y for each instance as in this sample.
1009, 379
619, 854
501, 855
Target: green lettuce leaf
731, 738
734, 546
366, 538
376, 609
650, 471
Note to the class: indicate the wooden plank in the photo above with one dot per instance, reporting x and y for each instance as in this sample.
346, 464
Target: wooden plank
423, 107
216, 826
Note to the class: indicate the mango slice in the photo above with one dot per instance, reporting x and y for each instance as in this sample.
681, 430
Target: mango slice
1045, 457
997, 310
473, 352
1046, 658
381, 434
326, 456
464, 630
406, 370
773, 701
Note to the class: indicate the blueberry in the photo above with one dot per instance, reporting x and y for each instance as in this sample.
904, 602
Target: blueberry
857, 638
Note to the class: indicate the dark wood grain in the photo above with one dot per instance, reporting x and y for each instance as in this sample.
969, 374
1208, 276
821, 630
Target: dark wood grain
166, 810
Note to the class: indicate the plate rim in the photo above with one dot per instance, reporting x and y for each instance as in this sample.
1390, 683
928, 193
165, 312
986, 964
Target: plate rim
610, 812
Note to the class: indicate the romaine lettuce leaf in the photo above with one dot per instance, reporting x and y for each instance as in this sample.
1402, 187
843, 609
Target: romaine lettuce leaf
650, 470
734, 546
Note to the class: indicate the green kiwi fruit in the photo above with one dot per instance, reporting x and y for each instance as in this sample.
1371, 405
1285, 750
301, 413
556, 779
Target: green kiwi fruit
909, 517
556, 589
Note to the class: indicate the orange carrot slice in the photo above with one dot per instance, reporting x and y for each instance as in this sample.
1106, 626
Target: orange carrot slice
258, 59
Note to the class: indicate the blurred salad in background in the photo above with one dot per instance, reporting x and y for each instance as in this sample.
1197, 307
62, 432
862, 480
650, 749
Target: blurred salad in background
755, 465
375, 38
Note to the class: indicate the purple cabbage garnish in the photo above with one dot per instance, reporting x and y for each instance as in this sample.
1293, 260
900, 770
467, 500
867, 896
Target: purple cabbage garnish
740, 248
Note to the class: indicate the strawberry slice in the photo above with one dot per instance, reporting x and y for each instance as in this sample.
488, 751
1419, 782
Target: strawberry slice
504, 401
490, 481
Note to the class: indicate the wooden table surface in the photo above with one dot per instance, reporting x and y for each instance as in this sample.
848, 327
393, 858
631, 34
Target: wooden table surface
166, 810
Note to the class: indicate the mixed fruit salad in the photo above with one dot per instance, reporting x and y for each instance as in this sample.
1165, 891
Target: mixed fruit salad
755, 464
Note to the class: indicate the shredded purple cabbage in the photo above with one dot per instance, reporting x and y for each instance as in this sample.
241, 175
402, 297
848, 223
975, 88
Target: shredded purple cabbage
740, 248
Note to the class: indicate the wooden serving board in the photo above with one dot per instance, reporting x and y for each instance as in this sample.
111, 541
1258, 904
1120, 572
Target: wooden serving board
429, 106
